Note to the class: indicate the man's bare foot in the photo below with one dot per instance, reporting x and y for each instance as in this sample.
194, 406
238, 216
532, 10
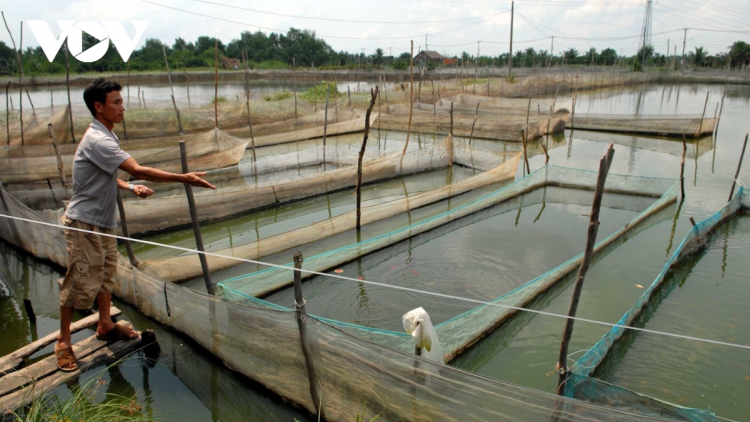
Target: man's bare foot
112, 331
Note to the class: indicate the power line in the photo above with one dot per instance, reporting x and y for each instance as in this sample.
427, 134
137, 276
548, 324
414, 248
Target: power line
333, 19
391, 286
321, 35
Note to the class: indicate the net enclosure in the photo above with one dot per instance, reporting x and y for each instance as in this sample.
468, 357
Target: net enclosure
354, 375
455, 334
582, 385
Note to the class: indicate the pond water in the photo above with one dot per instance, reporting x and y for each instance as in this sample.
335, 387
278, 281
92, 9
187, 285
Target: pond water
706, 297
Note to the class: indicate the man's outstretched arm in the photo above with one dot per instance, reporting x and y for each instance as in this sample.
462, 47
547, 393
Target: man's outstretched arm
156, 175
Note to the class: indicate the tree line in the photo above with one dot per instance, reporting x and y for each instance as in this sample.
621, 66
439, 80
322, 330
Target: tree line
302, 48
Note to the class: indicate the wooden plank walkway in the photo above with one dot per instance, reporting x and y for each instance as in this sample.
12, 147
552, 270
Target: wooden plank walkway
10, 362
22, 386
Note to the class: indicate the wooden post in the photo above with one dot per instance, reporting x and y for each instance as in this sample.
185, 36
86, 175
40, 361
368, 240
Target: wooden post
20, 71
57, 153
143, 94
546, 154
528, 109
682, 167
739, 166
549, 129
476, 115
7, 111
187, 80
721, 109
593, 228
451, 128
51, 100
700, 127
216, 86
525, 155
373, 94
169, 78
124, 226
247, 104
325, 114
294, 68
349, 93
411, 96
301, 312
67, 83
127, 84
29, 310
196, 227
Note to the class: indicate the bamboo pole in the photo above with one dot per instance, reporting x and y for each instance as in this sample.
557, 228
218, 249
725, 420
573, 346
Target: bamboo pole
528, 110
721, 109
20, 72
127, 83
739, 166
476, 115
7, 111
373, 95
294, 69
325, 114
451, 128
67, 84
700, 126
124, 226
411, 97
301, 313
51, 100
216, 85
196, 226
143, 94
349, 94
527, 169
247, 104
593, 228
187, 79
549, 129
57, 154
682, 167
171, 89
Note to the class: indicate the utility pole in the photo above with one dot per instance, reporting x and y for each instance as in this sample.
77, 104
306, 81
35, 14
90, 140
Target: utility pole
666, 58
646, 33
684, 39
552, 48
510, 51
425, 43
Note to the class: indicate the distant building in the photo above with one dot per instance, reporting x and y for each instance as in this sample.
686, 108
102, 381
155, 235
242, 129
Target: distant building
450, 62
426, 57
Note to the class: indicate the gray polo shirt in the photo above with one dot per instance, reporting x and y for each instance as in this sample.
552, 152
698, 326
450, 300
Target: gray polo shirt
95, 167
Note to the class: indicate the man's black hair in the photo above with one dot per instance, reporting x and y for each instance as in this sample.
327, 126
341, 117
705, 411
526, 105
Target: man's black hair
97, 93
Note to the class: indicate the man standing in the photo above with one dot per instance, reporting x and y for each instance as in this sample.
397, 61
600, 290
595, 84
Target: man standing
92, 262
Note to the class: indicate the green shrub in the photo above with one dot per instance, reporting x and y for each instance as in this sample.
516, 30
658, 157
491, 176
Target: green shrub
318, 92
277, 96
401, 64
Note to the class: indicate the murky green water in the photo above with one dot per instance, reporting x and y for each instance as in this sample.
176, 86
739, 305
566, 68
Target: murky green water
706, 297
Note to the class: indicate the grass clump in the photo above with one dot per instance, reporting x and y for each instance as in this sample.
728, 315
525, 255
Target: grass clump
80, 407
277, 96
318, 92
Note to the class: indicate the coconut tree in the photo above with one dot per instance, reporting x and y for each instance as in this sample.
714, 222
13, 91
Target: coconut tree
699, 57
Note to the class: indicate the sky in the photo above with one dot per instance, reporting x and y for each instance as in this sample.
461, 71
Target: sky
452, 26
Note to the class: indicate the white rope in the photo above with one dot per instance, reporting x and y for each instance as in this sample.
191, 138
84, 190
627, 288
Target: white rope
407, 289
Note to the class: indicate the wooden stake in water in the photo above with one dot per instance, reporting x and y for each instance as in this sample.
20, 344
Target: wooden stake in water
527, 169
51, 100
247, 104
476, 115
562, 365
216, 86
700, 126
373, 95
67, 83
124, 226
169, 78
60, 168
325, 114
411, 97
301, 312
20, 72
739, 166
7, 111
187, 80
682, 167
721, 109
451, 127
196, 226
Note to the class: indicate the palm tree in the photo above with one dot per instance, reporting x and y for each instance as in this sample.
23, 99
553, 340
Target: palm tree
699, 56
570, 54
377, 57
590, 56
739, 53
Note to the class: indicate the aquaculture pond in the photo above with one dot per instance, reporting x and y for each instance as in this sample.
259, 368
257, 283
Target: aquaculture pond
480, 257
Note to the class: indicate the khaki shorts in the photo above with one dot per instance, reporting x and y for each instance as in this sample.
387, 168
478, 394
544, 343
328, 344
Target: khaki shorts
92, 265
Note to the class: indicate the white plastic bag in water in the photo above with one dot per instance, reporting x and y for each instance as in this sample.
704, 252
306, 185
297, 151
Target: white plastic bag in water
417, 323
